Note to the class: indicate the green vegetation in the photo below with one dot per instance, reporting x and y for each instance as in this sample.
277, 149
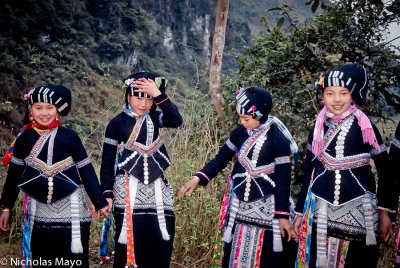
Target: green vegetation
288, 60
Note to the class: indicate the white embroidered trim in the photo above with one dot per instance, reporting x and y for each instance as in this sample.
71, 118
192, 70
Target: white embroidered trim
376, 152
110, 141
282, 160
17, 161
231, 145
396, 142
83, 163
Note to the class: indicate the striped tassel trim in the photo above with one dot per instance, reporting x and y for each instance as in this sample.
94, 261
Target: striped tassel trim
233, 211
276, 232
277, 238
322, 231
369, 221
76, 243
160, 210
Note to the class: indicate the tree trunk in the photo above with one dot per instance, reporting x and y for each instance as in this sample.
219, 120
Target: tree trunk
216, 59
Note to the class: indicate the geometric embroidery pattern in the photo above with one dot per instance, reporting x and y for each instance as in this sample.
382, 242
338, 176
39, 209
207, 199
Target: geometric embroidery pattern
60, 211
349, 217
145, 197
260, 211
246, 246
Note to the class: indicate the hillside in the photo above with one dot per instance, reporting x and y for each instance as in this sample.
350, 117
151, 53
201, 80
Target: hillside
90, 45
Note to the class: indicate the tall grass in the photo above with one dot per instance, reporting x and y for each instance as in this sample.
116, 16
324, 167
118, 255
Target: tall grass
190, 147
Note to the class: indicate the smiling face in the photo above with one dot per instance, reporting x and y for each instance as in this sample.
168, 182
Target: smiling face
337, 99
44, 113
249, 122
140, 105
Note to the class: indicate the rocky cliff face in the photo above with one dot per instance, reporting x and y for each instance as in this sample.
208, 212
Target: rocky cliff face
186, 28
181, 43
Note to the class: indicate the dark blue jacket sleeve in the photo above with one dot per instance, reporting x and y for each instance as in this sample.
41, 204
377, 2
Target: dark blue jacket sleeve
14, 174
170, 116
394, 155
110, 146
220, 161
281, 174
386, 180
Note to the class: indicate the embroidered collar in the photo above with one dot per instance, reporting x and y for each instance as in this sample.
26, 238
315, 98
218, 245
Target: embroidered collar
363, 122
261, 127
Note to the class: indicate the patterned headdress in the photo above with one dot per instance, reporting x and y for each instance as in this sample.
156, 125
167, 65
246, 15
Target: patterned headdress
355, 78
351, 76
160, 81
254, 101
58, 95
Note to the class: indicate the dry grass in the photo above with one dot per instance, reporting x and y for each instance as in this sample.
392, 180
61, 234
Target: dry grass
189, 147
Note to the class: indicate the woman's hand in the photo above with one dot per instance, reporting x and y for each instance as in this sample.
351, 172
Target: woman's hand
286, 229
296, 227
105, 211
147, 86
189, 187
5, 219
385, 227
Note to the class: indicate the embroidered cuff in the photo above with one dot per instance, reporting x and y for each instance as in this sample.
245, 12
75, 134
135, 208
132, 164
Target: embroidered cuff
309, 147
204, 179
281, 215
282, 160
160, 99
374, 151
108, 193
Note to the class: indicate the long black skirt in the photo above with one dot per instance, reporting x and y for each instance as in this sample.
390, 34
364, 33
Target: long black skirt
151, 250
51, 245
